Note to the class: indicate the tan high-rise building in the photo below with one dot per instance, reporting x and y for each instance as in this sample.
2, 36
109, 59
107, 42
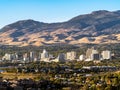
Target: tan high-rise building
92, 54
106, 54
71, 55
88, 53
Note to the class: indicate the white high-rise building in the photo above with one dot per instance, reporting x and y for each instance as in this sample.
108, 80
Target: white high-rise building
82, 57
44, 54
71, 55
106, 54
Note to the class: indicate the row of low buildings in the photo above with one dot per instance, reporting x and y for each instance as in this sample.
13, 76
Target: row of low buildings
91, 54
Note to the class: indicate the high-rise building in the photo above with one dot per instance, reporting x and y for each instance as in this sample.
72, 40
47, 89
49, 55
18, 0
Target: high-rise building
95, 56
44, 54
25, 57
32, 56
82, 57
88, 53
71, 55
60, 58
92, 54
106, 54
16, 56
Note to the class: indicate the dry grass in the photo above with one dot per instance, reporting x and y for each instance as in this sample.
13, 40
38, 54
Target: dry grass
18, 75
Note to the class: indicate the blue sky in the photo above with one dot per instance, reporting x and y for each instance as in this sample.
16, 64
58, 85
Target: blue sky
51, 10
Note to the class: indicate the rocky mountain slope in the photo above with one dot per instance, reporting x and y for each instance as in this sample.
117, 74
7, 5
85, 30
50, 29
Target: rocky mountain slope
97, 27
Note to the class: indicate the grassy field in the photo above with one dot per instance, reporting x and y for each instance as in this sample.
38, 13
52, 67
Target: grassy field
18, 75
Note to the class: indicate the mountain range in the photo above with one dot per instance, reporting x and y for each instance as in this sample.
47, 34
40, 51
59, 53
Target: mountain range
98, 27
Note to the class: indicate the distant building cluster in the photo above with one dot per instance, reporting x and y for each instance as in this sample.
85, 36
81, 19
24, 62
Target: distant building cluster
8, 56
92, 54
